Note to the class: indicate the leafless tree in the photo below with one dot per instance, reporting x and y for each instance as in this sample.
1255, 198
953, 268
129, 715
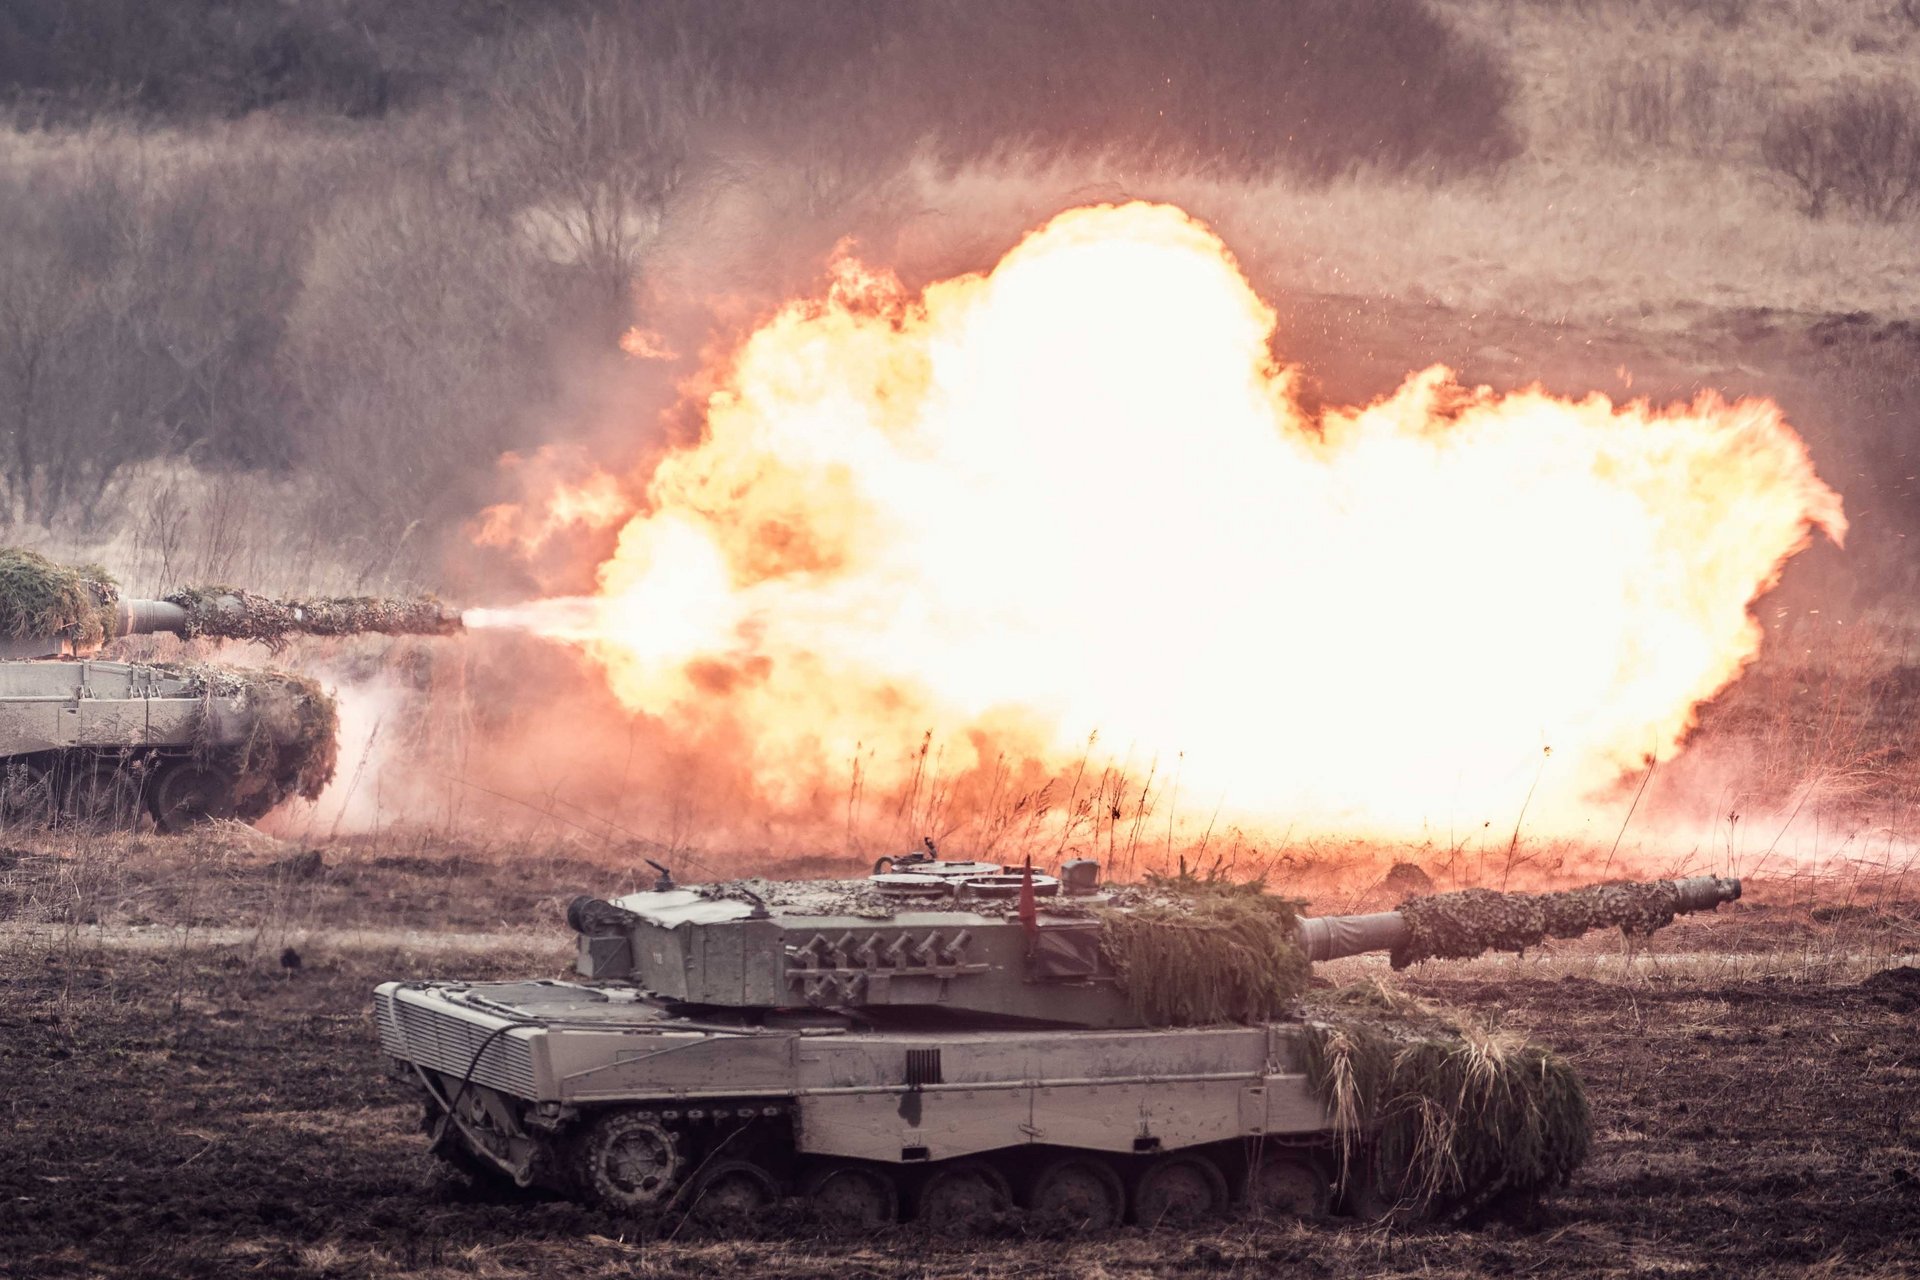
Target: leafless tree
418, 340
39, 305
1795, 147
1875, 133
593, 126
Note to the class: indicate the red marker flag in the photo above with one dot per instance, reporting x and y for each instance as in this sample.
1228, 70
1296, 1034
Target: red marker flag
1029, 909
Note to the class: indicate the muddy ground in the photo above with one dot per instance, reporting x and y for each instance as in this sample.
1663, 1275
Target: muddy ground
197, 1104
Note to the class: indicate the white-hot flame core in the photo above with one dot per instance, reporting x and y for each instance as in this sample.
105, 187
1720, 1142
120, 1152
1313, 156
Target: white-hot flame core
1076, 495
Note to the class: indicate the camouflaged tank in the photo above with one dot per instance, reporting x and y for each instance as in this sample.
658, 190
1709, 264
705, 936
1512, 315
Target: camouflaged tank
104, 744
946, 1040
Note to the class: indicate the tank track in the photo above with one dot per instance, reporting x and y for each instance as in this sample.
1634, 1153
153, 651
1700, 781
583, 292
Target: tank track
734, 1162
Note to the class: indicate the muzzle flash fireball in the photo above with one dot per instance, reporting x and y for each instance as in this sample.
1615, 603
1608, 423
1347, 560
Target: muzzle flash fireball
1079, 493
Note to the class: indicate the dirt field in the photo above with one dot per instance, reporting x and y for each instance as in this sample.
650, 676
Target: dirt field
187, 1102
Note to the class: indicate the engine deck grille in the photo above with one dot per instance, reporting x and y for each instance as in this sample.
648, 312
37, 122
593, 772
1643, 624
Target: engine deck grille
445, 1042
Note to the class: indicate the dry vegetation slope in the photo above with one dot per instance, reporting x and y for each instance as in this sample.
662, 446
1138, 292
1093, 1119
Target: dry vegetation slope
375, 245
353, 251
1647, 193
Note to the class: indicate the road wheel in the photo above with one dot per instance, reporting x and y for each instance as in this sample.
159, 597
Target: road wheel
629, 1161
187, 794
1288, 1185
1178, 1191
101, 798
854, 1196
1082, 1192
730, 1192
961, 1192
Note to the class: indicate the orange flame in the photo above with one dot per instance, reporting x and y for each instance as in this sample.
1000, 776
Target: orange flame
594, 500
645, 344
1076, 495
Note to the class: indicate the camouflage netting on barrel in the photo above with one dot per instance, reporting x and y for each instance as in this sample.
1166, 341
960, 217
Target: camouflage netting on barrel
1229, 954
1438, 1114
1470, 922
291, 745
233, 614
41, 598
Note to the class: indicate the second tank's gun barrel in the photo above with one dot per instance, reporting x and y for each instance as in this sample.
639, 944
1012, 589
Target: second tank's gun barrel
1468, 922
242, 615
144, 617
52, 610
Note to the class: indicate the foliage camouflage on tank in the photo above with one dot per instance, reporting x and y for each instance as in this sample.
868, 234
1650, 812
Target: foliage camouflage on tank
1221, 955
292, 746
1437, 1113
1471, 922
41, 598
234, 614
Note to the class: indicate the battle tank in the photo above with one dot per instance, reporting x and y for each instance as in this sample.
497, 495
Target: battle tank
100, 743
946, 1040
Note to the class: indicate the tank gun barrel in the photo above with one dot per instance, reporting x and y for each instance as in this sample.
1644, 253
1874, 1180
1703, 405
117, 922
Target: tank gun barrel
241, 615
145, 617
1704, 893
1464, 924
1335, 937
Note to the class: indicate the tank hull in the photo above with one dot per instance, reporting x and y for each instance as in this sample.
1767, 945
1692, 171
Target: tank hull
530, 1066
104, 743
87, 705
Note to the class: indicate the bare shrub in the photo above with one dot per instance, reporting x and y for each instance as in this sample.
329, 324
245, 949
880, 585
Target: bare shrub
141, 299
1796, 148
1686, 105
1859, 145
414, 347
1234, 87
595, 136
93, 381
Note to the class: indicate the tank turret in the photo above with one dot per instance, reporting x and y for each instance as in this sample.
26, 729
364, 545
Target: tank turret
949, 938
103, 743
